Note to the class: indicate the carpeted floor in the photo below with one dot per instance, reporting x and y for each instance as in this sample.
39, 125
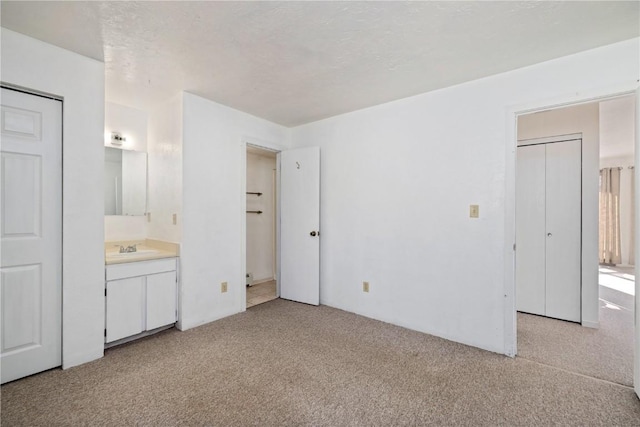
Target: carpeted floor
283, 363
606, 352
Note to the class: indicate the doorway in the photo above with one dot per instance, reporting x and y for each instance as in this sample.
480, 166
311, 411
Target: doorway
600, 344
261, 214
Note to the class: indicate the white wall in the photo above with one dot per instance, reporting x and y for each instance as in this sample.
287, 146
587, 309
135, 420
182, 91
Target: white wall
132, 124
165, 170
80, 81
260, 227
396, 184
562, 121
214, 206
128, 121
625, 201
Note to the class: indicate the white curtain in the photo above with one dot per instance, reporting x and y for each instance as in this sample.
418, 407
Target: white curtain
610, 216
632, 234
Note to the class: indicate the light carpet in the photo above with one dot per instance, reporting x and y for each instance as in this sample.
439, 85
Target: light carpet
606, 352
283, 363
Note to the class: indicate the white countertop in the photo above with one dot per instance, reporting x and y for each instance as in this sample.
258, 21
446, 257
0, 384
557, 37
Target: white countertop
147, 249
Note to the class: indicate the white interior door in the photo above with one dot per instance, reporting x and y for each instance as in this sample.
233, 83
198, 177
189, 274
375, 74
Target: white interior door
300, 225
31, 234
530, 229
563, 227
636, 346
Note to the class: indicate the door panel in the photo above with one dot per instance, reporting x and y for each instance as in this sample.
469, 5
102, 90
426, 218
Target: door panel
21, 284
300, 225
161, 300
530, 229
31, 234
563, 218
125, 313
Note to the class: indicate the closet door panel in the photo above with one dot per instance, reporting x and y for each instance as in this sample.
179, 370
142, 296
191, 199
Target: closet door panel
530, 229
563, 226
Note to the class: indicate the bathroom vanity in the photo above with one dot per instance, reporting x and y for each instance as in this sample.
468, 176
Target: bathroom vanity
141, 291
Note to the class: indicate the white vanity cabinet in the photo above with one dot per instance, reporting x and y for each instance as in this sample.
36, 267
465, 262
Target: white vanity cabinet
140, 296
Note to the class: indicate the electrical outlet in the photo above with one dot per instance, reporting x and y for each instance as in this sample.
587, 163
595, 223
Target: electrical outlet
223, 287
365, 286
474, 211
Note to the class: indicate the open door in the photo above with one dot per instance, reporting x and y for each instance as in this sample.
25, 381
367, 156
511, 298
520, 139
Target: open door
300, 225
636, 332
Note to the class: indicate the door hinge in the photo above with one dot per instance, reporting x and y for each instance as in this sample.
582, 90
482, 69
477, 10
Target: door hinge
105, 292
514, 246
105, 333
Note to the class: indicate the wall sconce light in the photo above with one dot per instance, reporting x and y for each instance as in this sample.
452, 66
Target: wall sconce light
117, 139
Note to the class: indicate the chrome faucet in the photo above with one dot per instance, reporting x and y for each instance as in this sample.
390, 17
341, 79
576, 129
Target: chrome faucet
128, 249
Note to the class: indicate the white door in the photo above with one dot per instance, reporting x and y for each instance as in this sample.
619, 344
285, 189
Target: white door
31, 234
636, 353
548, 229
300, 225
563, 226
530, 229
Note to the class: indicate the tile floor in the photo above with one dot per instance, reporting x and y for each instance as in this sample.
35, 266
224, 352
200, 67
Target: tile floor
261, 292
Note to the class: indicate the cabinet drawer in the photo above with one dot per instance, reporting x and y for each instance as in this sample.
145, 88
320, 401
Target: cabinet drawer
140, 268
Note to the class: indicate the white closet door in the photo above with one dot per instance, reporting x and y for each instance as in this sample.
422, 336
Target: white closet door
31, 235
563, 218
530, 229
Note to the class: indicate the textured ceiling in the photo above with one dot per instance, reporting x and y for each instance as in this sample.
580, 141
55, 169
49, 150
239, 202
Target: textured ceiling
296, 62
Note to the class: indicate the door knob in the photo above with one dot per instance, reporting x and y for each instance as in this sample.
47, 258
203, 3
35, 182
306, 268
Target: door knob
548, 234
313, 233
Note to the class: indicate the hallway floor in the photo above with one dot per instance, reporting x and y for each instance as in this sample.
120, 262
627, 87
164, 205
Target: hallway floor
261, 293
605, 353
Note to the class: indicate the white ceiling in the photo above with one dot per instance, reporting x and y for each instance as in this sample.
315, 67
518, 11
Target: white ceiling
297, 62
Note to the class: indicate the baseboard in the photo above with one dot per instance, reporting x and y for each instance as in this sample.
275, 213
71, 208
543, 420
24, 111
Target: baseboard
588, 324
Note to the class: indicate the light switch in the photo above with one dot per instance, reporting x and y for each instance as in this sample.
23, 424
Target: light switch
474, 211
175, 219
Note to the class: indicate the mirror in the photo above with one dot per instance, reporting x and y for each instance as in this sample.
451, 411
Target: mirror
125, 183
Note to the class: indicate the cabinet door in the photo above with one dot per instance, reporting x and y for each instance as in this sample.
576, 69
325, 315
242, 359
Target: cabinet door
161, 299
563, 224
530, 230
125, 303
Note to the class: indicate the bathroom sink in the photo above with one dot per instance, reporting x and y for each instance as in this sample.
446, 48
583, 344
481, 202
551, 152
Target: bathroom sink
139, 252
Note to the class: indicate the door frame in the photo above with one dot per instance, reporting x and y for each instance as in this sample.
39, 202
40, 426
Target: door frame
274, 148
511, 115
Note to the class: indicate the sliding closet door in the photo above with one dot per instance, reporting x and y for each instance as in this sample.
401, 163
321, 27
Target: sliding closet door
530, 229
563, 224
